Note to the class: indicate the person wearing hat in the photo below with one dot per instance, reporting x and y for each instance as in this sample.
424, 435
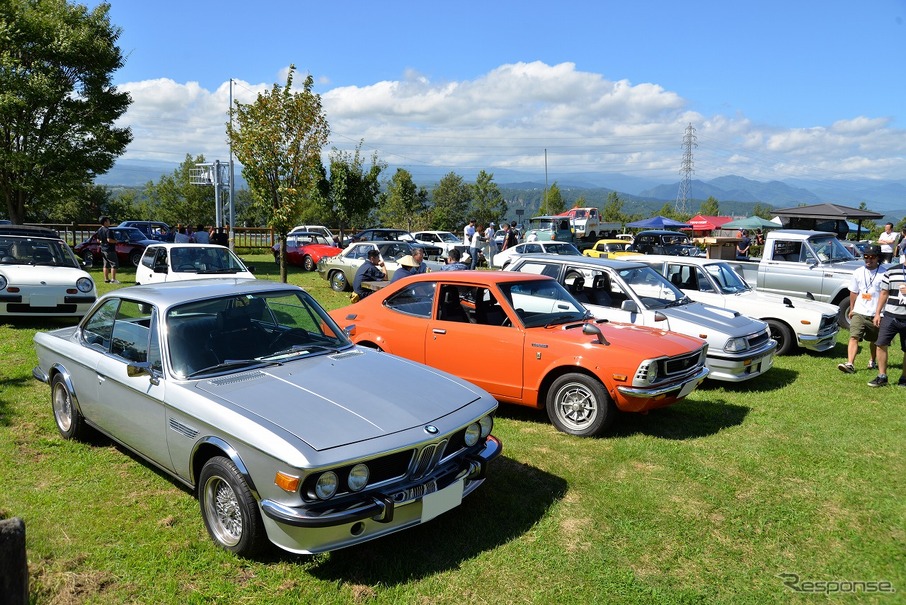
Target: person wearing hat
372, 269
490, 244
742, 248
864, 296
407, 266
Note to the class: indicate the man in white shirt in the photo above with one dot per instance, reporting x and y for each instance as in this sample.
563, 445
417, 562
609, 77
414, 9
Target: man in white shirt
864, 295
490, 243
888, 240
468, 232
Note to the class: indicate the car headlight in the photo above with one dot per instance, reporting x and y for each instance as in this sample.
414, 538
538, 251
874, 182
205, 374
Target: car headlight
473, 432
487, 424
735, 345
84, 284
651, 372
358, 477
3, 282
326, 486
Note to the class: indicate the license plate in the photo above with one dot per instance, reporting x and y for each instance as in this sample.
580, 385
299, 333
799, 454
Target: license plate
442, 501
38, 300
688, 388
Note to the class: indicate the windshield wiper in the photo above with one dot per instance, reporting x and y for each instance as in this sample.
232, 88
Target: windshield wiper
563, 319
229, 364
678, 302
300, 350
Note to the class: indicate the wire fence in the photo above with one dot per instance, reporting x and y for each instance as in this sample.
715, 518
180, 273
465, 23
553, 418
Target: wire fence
252, 238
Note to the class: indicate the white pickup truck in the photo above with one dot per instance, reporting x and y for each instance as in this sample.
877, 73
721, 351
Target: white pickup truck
803, 264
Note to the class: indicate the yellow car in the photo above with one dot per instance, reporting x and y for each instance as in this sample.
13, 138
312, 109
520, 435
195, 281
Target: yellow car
610, 248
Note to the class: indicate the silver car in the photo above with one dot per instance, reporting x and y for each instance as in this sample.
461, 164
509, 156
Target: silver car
739, 347
247, 392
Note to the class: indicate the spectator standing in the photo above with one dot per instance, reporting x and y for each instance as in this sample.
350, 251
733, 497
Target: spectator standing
490, 243
742, 248
201, 235
901, 247
892, 305
509, 238
864, 296
467, 232
888, 241
475, 247
453, 262
108, 251
372, 269
181, 236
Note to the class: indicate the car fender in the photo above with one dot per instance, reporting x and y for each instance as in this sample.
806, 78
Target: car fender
210, 446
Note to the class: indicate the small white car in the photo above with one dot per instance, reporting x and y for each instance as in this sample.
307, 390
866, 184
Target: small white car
808, 324
319, 229
442, 239
177, 262
40, 276
505, 257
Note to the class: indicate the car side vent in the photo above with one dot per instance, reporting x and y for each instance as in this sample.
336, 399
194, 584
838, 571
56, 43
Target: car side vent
182, 429
426, 460
236, 378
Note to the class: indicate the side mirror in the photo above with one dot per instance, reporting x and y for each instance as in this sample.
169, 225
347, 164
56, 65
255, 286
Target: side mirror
629, 305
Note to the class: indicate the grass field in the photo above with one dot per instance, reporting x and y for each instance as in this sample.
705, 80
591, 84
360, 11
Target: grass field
799, 472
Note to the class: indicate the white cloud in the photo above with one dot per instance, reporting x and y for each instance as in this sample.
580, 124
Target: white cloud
507, 117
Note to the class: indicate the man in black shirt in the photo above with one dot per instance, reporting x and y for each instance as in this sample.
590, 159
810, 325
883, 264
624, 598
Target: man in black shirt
108, 251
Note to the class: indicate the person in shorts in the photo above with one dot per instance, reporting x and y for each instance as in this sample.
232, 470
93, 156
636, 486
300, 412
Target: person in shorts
890, 319
108, 251
864, 295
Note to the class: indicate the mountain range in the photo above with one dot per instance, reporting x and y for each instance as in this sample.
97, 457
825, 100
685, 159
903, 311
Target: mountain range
735, 193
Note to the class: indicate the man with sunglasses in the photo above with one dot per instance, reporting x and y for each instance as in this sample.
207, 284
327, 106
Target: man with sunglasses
864, 296
890, 318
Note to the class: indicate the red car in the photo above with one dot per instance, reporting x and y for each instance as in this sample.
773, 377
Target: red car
527, 341
304, 249
130, 246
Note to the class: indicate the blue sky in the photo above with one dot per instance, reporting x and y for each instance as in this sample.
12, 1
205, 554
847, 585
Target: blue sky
775, 90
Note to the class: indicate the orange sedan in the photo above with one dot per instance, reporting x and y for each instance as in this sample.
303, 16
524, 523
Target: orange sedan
527, 341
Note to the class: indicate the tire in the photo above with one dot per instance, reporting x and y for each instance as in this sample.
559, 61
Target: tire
578, 405
88, 258
69, 419
228, 509
786, 340
277, 258
135, 257
338, 282
308, 263
843, 313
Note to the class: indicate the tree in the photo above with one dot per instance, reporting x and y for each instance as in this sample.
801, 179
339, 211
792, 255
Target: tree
553, 202
765, 212
487, 201
613, 210
351, 190
278, 141
58, 106
451, 199
175, 200
710, 207
403, 203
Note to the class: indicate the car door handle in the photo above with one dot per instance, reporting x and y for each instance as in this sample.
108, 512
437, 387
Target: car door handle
439, 331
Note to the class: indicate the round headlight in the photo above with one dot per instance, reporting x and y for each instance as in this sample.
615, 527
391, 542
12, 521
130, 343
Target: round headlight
326, 486
487, 424
3, 282
652, 372
473, 432
84, 284
358, 477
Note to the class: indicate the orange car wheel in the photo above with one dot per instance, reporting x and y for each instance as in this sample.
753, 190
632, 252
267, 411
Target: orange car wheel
578, 405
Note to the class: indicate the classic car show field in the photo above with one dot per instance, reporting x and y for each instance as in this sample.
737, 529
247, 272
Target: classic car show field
766, 491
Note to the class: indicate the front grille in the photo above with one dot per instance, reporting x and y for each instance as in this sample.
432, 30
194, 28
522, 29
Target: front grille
827, 323
426, 460
757, 340
681, 363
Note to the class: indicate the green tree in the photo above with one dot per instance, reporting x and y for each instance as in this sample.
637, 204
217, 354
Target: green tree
352, 191
175, 200
710, 207
765, 212
278, 140
487, 201
553, 201
613, 209
403, 203
58, 105
451, 199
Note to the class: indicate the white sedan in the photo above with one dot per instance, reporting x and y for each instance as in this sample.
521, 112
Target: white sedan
177, 262
506, 257
40, 276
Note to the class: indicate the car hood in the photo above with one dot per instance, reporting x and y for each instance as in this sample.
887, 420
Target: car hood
333, 400
754, 297
22, 275
713, 319
646, 342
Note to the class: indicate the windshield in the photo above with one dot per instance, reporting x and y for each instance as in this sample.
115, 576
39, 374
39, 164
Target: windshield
727, 279
542, 303
544, 224
446, 236
652, 288
36, 251
828, 250
562, 249
129, 234
235, 333
216, 259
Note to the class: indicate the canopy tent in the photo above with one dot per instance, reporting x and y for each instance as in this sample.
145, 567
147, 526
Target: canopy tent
751, 222
657, 222
826, 217
707, 223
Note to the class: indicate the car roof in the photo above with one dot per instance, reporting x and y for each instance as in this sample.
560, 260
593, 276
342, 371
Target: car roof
167, 294
691, 260
583, 260
169, 245
469, 276
28, 231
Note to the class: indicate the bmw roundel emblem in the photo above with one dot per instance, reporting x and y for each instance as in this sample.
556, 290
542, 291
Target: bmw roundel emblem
431, 429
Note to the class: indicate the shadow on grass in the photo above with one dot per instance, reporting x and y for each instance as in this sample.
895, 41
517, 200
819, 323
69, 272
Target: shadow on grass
510, 502
687, 419
774, 379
